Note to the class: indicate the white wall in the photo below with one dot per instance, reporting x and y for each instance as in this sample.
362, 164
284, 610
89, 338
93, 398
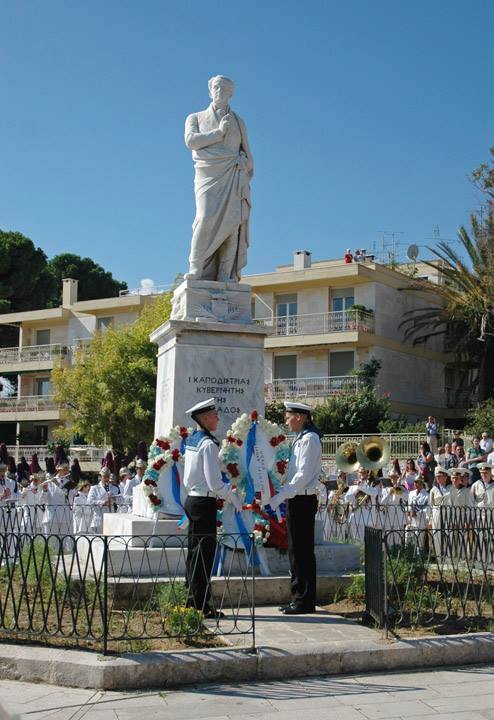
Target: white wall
409, 378
366, 295
311, 301
81, 327
391, 307
260, 302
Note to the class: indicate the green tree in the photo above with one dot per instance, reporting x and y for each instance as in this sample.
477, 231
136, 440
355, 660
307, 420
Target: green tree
359, 412
108, 395
94, 281
481, 418
25, 280
368, 371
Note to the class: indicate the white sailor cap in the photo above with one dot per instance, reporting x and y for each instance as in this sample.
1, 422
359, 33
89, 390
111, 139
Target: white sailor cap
140, 463
202, 407
456, 471
464, 471
297, 407
105, 471
484, 466
62, 465
124, 471
439, 470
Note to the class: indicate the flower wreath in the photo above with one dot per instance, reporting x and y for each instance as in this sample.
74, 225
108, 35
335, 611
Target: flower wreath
166, 451
268, 528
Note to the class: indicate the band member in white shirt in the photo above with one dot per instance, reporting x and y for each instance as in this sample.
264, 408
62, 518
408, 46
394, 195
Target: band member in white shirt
300, 494
204, 483
31, 501
439, 497
102, 498
82, 510
418, 506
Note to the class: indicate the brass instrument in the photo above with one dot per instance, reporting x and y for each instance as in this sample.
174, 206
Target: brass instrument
362, 499
372, 453
346, 457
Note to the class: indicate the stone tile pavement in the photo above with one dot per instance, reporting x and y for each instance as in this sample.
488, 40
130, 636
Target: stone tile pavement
465, 693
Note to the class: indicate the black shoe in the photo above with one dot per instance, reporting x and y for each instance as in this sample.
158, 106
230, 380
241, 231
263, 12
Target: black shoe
284, 607
212, 614
297, 609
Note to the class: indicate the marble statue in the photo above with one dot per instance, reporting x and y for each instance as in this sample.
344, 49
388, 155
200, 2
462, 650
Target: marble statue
223, 169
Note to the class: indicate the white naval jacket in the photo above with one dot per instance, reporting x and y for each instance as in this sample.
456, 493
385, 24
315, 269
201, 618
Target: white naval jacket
483, 493
304, 466
7, 484
202, 470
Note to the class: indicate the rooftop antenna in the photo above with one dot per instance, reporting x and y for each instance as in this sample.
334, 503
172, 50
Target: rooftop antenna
389, 246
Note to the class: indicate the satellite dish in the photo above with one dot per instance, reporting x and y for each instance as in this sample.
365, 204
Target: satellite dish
413, 252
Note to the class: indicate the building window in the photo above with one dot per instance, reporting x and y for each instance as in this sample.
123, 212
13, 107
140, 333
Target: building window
341, 363
42, 386
42, 337
286, 305
41, 434
342, 299
102, 323
285, 366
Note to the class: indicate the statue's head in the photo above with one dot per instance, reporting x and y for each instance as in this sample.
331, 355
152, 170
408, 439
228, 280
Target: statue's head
220, 89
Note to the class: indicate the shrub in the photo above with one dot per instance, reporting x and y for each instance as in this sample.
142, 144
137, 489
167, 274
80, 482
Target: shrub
359, 412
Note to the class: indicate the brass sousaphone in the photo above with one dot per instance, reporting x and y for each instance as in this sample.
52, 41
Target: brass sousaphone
372, 453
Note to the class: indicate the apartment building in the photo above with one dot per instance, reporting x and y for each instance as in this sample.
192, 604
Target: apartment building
47, 338
329, 316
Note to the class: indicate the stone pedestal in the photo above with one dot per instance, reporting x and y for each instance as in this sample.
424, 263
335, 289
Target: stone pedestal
208, 300
202, 359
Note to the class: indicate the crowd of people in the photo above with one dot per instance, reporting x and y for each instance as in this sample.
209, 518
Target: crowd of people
57, 504
410, 499
359, 255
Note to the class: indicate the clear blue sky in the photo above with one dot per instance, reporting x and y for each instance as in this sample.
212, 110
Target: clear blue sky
363, 116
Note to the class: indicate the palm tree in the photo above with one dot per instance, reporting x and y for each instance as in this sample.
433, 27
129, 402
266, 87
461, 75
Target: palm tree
464, 315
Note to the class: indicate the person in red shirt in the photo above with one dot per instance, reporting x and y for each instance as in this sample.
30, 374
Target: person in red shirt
348, 257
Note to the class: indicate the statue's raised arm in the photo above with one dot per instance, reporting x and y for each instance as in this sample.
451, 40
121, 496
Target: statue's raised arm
223, 169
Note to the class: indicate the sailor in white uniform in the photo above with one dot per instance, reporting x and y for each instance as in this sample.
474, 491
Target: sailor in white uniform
300, 494
204, 483
31, 501
82, 510
439, 496
418, 507
130, 482
102, 498
8, 495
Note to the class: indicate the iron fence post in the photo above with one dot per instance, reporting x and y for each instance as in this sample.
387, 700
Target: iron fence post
105, 594
385, 586
253, 597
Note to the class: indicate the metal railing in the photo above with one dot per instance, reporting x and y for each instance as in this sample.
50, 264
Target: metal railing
321, 323
438, 577
70, 591
402, 445
32, 353
28, 403
311, 387
84, 453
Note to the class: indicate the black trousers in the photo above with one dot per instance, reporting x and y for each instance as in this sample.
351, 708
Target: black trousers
201, 548
300, 520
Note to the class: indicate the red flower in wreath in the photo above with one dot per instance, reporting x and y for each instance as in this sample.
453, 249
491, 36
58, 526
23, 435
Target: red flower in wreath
233, 469
254, 415
274, 441
163, 444
158, 464
149, 483
230, 439
184, 433
176, 455
281, 466
240, 442
281, 438
155, 499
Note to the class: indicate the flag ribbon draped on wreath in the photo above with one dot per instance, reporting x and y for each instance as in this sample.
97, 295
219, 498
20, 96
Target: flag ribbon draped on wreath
254, 456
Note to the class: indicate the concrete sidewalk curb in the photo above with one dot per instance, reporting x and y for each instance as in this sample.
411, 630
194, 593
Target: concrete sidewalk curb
72, 668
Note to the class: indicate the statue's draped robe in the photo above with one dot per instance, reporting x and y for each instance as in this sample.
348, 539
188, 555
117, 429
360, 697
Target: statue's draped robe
223, 168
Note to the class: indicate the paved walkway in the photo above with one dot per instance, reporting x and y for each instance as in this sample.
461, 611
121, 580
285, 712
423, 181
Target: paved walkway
273, 629
459, 694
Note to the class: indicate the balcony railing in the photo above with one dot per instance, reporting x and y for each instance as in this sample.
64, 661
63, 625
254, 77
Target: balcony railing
311, 387
321, 323
32, 353
84, 453
460, 398
28, 403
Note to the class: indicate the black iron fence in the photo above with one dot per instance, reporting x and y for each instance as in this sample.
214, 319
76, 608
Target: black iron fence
441, 575
122, 593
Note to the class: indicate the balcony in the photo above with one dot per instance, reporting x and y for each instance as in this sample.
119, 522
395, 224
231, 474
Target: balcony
321, 323
31, 357
318, 387
28, 407
457, 399
89, 456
